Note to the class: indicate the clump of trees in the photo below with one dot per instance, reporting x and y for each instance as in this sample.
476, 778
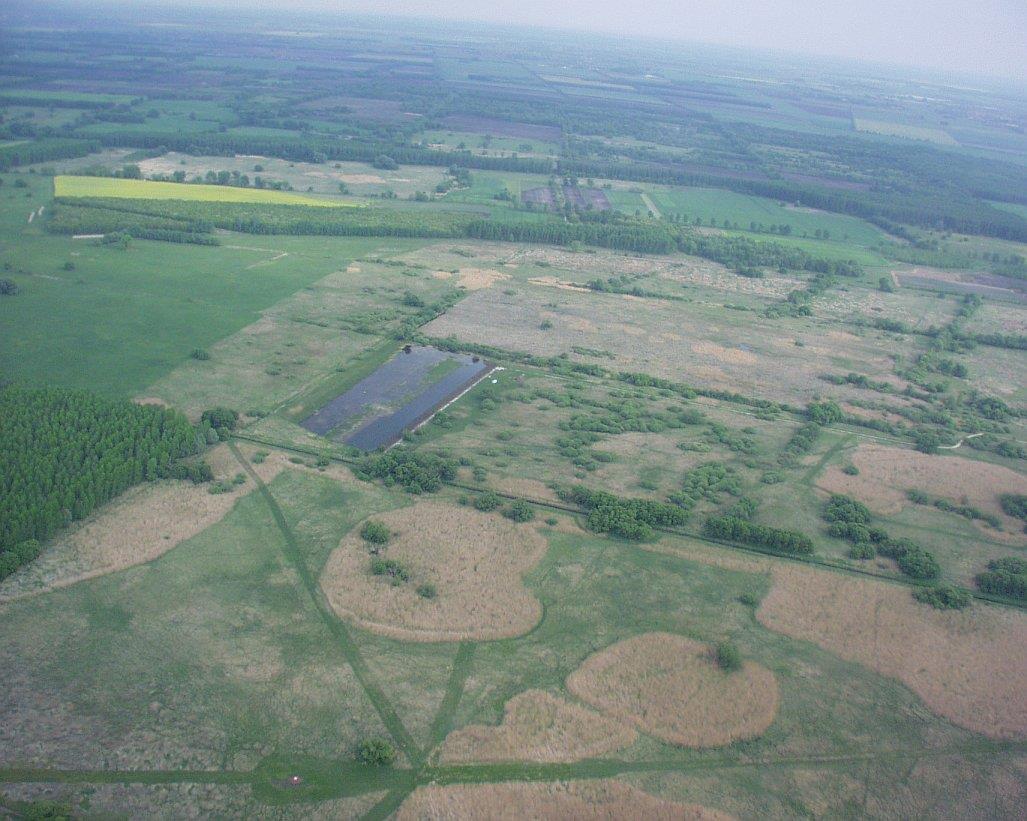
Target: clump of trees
8, 287
63, 453
1005, 577
851, 520
728, 656
414, 472
519, 511
375, 532
732, 529
377, 752
1015, 505
222, 420
943, 597
395, 570
487, 501
633, 519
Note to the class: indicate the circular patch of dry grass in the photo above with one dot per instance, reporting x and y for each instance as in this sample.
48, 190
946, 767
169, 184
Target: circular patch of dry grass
514, 801
538, 726
671, 687
475, 561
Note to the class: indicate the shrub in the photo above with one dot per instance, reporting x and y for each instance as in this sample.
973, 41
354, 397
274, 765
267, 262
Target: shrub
850, 470
862, 551
918, 563
377, 752
918, 497
943, 597
729, 658
487, 501
824, 413
1005, 577
738, 530
927, 441
375, 532
427, 591
844, 509
519, 511
200, 354
749, 599
850, 531
8, 287
195, 472
627, 518
391, 568
220, 418
1014, 504
415, 472
259, 457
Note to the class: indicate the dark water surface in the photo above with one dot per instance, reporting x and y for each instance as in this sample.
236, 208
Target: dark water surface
404, 378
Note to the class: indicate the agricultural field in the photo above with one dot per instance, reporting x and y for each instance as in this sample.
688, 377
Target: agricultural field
566, 429
910, 132
65, 186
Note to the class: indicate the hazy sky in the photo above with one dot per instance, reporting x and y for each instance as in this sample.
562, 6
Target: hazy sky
979, 36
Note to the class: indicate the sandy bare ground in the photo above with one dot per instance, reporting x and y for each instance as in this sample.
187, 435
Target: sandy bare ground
475, 561
140, 526
538, 726
887, 473
559, 801
968, 666
671, 687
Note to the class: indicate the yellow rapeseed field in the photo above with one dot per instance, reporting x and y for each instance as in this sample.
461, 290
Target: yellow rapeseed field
67, 186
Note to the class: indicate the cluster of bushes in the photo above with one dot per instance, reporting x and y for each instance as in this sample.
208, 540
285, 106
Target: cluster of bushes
801, 442
850, 520
732, 529
1005, 577
377, 752
706, 481
396, 572
943, 597
375, 532
728, 656
1015, 505
633, 519
519, 511
966, 511
414, 472
63, 453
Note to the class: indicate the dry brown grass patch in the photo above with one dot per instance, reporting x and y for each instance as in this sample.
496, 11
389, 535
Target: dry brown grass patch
474, 279
671, 687
474, 560
538, 726
560, 801
969, 666
138, 527
886, 473
719, 352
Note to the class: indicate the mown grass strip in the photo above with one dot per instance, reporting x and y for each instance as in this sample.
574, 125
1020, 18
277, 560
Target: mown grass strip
454, 690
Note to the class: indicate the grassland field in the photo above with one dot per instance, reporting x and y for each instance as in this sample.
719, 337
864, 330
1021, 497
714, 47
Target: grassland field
234, 664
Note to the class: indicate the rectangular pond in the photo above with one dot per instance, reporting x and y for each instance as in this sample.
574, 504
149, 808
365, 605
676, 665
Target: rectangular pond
400, 394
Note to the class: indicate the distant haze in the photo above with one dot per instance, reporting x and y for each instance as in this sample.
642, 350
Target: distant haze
979, 37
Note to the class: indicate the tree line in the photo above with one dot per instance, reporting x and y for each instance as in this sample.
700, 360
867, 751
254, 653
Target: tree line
63, 453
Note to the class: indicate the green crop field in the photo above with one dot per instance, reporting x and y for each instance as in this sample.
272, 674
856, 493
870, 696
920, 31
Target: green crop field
66, 186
